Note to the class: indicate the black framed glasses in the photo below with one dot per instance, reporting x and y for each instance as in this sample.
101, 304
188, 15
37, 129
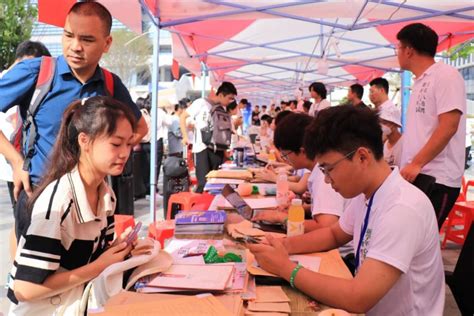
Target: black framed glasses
327, 168
285, 156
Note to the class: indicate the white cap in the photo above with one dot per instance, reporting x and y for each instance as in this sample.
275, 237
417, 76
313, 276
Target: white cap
296, 202
391, 113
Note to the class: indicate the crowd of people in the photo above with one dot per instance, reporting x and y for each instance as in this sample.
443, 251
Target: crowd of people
350, 163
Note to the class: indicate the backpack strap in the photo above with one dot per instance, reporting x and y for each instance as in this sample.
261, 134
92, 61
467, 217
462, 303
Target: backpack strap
109, 82
43, 86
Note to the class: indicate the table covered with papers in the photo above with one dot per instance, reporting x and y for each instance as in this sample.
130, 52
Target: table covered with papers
229, 283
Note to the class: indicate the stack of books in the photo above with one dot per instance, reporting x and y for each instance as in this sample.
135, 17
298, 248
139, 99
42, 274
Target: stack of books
199, 222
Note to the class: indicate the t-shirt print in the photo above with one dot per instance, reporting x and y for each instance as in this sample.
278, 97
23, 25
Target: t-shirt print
422, 96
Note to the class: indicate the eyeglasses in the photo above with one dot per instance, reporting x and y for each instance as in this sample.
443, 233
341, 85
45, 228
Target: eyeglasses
327, 168
285, 156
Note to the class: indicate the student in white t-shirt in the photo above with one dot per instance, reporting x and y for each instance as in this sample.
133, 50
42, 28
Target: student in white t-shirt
390, 120
206, 159
378, 93
318, 92
326, 205
434, 138
392, 224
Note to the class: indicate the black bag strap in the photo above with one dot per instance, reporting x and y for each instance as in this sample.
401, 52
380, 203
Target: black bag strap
43, 85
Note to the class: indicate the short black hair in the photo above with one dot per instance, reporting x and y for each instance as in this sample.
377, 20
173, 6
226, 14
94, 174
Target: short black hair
226, 88
231, 106
343, 129
380, 83
420, 37
307, 105
184, 102
31, 48
281, 115
358, 90
244, 101
141, 102
286, 136
319, 88
264, 106
267, 118
91, 8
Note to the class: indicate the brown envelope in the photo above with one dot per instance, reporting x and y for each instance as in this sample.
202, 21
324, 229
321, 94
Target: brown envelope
269, 307
271, 294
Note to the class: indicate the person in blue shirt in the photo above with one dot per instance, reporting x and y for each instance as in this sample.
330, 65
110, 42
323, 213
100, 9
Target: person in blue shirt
77, 75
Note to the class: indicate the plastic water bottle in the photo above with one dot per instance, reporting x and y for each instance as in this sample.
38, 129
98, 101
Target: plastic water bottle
282, 188
271, 157
295, 225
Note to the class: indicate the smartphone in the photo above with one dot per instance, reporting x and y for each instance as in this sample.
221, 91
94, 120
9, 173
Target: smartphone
237, 202
133, 234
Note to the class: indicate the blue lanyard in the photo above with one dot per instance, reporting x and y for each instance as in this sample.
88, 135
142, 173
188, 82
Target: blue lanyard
363, 231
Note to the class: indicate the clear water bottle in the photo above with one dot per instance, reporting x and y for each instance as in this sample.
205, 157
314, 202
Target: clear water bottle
282, 188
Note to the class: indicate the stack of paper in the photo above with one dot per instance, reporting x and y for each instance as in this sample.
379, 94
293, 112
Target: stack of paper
270, 300
202, 305
208, 277
200, 222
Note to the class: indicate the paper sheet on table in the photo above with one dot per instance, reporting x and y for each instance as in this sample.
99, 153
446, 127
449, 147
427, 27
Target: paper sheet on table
182, 250
309, 261
225, 181
271, 294
206, 305
269, 202
200, 277
269, 307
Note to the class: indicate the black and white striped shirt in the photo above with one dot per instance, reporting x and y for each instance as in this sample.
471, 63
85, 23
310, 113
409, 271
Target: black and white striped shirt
64, 234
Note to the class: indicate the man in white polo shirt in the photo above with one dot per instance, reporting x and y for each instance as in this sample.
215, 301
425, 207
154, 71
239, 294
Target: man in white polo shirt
434, 141
378, 93
399, 269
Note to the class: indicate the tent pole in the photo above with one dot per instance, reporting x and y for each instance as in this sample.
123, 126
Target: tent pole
203, 78
154, 119
405, 97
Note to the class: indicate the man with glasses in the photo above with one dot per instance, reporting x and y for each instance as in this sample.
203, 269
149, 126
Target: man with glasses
326, 205
399, 269
434, 138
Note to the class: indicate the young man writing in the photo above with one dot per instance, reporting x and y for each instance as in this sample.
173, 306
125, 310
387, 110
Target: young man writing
399, 270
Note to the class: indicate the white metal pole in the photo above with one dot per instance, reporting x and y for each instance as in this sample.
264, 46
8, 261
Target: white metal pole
154, 119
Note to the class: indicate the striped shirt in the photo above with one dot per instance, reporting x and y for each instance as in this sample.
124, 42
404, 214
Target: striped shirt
64, 234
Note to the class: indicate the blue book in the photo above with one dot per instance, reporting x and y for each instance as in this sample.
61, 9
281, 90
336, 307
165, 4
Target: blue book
200, 217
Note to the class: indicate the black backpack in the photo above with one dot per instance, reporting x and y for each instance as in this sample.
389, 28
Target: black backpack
43, 86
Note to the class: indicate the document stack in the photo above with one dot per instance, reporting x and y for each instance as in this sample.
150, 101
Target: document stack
199, 222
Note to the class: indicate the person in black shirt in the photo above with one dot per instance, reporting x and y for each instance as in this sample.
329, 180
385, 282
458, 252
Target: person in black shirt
256, 116
354, 95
